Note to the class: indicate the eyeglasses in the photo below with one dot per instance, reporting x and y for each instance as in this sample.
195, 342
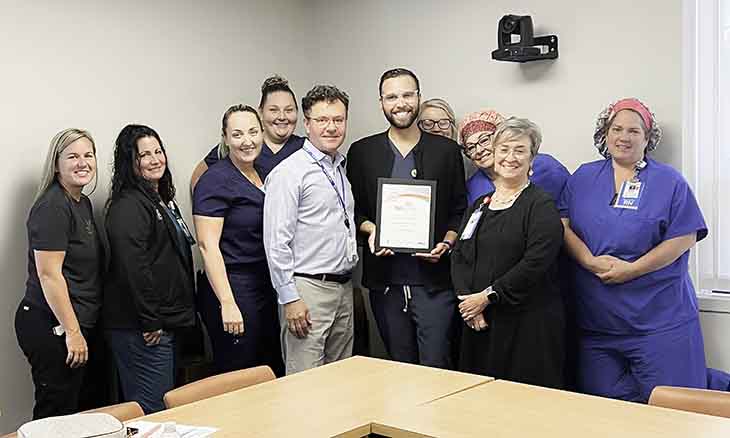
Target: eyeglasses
483, 142
518, 152
429, 124
408, 96
323, 122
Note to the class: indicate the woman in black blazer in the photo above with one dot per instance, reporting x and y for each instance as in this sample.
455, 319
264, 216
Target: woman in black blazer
150, 285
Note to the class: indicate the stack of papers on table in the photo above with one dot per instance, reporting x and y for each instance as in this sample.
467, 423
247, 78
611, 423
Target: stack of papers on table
149, 429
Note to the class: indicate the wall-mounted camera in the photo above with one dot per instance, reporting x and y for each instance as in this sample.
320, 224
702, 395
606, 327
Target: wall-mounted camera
517, 43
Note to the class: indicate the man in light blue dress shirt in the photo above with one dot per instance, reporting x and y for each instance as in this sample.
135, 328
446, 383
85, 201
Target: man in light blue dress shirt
309, 237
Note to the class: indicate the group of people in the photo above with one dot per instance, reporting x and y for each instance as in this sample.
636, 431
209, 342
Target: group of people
146, 274
535, 271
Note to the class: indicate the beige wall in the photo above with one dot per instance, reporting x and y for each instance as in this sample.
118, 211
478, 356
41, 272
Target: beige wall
177, 65
608, 50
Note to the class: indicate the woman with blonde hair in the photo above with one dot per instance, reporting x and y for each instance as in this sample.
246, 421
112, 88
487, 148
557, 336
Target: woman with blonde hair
63, 290
437, 117
236, 299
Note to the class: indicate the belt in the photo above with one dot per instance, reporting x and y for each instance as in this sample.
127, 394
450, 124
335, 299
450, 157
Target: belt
336, 278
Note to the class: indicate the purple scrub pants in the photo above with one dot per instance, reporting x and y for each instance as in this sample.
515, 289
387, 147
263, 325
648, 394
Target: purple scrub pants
628, 367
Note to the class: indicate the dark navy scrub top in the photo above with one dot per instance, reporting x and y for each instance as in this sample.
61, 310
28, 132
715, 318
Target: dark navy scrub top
406, 269
224, 192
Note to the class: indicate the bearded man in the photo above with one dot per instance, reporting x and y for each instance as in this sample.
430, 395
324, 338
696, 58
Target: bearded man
411, 294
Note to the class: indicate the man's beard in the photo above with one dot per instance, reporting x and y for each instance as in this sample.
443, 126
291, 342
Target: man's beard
402, 125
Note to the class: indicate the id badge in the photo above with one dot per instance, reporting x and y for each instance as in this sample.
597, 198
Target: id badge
630, 195
471, 225
351, 248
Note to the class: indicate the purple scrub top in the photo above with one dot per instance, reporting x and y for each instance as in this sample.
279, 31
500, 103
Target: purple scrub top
548, 174
657, 301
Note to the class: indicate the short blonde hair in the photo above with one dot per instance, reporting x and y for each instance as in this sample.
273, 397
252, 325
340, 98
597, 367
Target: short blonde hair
515, 127
59, 143
445, 107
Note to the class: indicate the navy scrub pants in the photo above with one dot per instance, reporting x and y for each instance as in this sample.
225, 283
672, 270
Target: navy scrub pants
260, 343
417, 326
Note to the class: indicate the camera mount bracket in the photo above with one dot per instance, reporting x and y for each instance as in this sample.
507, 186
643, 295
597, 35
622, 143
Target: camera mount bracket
529, 47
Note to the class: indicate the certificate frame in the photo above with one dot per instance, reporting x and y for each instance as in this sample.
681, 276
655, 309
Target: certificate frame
408, 249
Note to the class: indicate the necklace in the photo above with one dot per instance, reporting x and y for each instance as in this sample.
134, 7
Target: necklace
498, 202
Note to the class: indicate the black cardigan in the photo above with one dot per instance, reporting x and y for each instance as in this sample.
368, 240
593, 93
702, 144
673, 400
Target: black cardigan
150, 283
514, 250
437, 158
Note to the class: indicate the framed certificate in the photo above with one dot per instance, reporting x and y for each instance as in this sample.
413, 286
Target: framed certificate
406, 215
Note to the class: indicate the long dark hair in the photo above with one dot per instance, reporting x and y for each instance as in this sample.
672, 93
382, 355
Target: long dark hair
126, 175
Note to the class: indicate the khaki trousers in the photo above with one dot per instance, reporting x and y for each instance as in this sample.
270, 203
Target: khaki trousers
330, 337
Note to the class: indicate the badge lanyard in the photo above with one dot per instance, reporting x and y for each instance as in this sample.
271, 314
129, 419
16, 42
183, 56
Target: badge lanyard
334, 186
638, 167
473, 222
471, 225
188, 235
630, 192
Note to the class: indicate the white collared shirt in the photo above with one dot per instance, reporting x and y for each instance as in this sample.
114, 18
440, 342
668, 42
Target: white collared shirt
304, 223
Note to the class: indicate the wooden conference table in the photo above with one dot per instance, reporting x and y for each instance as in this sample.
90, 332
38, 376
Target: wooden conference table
339, 399
507, 409
359, 396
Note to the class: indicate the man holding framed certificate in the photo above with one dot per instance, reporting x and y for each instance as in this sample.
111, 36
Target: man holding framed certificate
409, 195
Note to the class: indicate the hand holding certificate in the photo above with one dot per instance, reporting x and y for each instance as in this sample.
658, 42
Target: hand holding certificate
406, 214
